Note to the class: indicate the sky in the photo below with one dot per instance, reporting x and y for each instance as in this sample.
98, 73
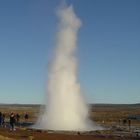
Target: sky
108, 49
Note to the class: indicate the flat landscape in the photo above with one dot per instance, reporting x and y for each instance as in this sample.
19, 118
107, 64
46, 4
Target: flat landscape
118, 122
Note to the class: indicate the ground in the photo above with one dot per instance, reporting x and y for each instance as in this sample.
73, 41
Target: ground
110, 117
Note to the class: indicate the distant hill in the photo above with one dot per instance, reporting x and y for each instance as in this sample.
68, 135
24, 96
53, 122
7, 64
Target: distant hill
92, 105
115, 105
19, 105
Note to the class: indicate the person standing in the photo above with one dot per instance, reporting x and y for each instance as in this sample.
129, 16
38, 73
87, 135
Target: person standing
0, 119
26, 116
17, 117
12, 121
3, 120
129, 124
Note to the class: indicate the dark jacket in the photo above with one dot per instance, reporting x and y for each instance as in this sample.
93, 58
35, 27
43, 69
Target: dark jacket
12, 118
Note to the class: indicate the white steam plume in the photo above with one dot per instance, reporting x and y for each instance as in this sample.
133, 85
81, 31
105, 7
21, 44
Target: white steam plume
65, 108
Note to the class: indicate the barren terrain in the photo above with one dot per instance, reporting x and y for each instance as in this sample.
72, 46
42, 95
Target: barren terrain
110, 117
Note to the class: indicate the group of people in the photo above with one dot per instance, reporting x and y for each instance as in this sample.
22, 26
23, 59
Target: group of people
13, 120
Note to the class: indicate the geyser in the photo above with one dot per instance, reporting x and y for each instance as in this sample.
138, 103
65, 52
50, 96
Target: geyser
65, 107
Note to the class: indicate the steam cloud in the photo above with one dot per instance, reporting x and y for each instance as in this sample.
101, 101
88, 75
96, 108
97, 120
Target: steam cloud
65, 108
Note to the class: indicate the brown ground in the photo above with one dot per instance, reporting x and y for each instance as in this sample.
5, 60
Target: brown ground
38, 135
106, 115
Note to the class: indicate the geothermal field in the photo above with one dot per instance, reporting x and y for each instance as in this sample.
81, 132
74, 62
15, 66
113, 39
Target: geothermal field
113, 118
65, 114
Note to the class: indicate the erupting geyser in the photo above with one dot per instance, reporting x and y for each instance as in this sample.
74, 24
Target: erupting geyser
65, 107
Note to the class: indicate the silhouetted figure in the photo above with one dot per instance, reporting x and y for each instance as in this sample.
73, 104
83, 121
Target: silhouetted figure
129, 124
124, 122
17, 118
1, 119
26, 117
12, 121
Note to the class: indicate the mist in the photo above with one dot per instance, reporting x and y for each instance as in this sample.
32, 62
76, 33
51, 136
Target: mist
65, 106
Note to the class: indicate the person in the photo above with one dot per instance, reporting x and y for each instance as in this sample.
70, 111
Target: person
0, 119
26, 117
124, 121
17, 118
3, 120
129, 124
12, 122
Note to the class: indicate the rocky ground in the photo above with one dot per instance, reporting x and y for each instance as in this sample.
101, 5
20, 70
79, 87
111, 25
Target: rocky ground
111, 117
23, 133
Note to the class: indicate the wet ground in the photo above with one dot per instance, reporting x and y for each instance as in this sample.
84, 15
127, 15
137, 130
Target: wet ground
112, 133
111, 117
